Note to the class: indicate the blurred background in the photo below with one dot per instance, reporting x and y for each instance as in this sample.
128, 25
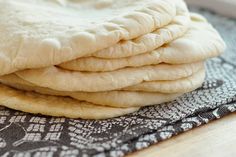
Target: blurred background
224, 7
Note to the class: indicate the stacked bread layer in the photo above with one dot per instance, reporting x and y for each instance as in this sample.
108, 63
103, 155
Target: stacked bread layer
116, 58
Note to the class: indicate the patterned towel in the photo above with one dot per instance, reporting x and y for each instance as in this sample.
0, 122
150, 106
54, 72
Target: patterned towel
23, 134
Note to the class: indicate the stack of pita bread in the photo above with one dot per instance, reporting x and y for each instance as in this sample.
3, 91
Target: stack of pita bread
98, 59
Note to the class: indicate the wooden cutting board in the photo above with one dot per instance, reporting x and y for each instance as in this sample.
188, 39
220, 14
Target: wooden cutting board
216, 139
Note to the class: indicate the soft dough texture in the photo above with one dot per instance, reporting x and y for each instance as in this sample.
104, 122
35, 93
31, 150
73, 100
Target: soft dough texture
64, 80
182, 85
122, 98
150, 41
112, 98
35, 33
126, 98
187, 49
56, 106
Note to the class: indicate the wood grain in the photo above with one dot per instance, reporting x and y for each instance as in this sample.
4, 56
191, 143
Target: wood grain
216, 139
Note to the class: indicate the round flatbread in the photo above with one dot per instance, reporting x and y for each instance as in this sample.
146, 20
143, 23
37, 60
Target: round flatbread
64, 80
124, 99
149, 92
57, 106
182, 85
205, 43
150, 41
40, 33
186, 49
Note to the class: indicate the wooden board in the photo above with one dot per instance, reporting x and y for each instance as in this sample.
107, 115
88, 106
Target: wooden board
216, 139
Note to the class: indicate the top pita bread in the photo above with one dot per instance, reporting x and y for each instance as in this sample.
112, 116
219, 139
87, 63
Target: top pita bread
148, 42
187, 49
35, 33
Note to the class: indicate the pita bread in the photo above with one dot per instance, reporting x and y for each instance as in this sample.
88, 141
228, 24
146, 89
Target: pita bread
64, 80
111, 98
126, 98
186, 49
150, 41
35, 33
182, 85
56, 106
92, 64
11, 79
209, 45
121, 98
17, 83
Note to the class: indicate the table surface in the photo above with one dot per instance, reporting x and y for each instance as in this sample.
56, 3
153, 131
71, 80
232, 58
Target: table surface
217, 139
